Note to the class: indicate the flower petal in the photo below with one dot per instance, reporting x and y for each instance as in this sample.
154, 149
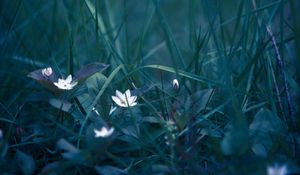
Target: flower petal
120, 95
60, 80
117, 101
56, 84
133, 104
175, 84
110, 131
132, 99
127, 93
47, 71
69, 79
73, 84
103, 130
97, 133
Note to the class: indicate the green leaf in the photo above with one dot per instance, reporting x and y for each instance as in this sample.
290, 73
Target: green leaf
126, 143
109, 170
266, 121
63, 144
265, 129
94, 84
130, 130
79, 76
85, 101
198, 101
61, 104
3, 148
52, 167
77, 115
71, 152
77, 157
25, 162
55, 167
159, 168
181, 120
151, 120
89, 70
45, 81
236, 138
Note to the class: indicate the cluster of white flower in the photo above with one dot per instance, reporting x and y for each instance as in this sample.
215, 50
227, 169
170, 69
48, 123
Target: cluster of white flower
65, 84
171, 135
121, 99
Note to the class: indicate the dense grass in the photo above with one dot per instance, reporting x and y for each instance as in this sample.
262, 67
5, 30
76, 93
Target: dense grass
236, 110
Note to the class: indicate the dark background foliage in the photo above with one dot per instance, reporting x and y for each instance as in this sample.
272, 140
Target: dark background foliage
236, 111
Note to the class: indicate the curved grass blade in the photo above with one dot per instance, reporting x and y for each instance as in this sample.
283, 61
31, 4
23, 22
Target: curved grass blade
107, 82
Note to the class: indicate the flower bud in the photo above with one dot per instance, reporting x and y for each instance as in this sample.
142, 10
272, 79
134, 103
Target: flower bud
175, 84
47, 71
96, 111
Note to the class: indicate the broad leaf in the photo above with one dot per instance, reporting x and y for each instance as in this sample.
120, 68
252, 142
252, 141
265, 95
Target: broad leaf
44, 80
109, 170
236, 138
89, 70
57, 167
25, 162
94, 84
3, 148
79, 76
77, 157
61, 104
265, 129
71, 152
198, 101
181, 120
62, 144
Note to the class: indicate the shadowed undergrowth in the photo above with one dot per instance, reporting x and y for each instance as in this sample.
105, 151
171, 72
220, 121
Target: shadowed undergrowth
234, 110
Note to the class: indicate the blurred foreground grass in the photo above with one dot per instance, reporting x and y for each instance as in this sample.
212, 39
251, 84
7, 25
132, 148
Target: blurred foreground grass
236, 110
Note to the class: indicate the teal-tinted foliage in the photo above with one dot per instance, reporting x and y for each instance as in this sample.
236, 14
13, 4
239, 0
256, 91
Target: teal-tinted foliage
234, 111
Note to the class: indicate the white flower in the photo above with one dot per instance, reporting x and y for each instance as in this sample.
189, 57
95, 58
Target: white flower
104, 132
175, 84
124, 100
277, 170
47, 71
66, 84
112, 109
